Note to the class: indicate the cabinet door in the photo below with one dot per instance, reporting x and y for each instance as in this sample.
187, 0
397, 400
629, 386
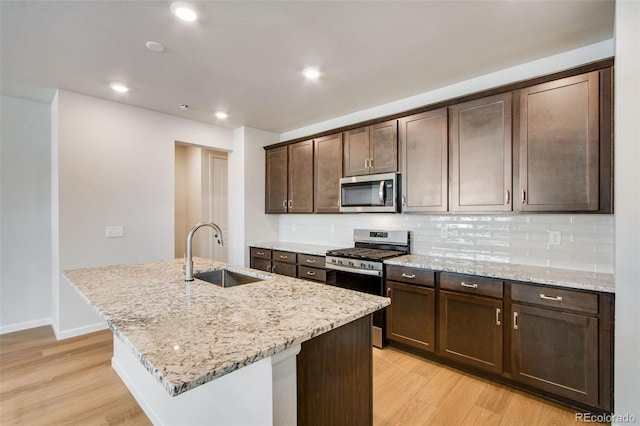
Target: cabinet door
261, 264
559, 145
356, 152
424, 146
470, 330
276, 180
481, 155
301, 177
556, 352
411, 315
383, 149
327, 173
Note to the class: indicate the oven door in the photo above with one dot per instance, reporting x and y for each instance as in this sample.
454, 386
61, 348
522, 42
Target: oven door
366, 284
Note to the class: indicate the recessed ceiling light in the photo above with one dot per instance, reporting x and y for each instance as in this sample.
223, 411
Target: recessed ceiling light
311, 73
183, 11
221, 115
155, 46
183, 106
120, 88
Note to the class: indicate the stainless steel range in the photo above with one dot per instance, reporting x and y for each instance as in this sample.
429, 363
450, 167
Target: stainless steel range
361, 268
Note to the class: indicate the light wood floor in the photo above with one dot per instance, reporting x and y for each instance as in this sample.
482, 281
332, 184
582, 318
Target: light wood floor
71, 382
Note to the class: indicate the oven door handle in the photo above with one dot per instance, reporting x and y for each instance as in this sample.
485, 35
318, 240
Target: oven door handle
381, 193
371, 272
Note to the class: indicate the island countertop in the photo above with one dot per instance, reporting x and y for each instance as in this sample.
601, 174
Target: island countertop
187, 334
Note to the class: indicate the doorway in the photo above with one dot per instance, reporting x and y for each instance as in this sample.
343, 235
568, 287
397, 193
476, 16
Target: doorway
200, 196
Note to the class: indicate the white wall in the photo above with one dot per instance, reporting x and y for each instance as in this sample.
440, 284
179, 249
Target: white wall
246, 201
627, 210
25, 214
115, 167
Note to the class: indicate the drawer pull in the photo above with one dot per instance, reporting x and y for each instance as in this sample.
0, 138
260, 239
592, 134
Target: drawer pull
389, 292
260, 253
268, 268
311, 261
553, 298
311, 273
498, 316
412, 276
515, 320
473, 285
283, 257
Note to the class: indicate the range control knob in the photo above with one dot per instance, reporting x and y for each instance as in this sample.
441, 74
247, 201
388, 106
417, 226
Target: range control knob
351, 264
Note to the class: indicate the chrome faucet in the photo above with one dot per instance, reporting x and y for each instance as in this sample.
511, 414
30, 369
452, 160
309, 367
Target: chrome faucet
188, 261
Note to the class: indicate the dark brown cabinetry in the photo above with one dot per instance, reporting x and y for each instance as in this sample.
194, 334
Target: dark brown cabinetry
292, 264
327, 172
424, 161
470, 321
411, 315
481, 155
554, 335
371, 149
559, 145
289, 178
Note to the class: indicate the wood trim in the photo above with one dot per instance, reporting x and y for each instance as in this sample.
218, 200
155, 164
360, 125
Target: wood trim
592, 66
606, 140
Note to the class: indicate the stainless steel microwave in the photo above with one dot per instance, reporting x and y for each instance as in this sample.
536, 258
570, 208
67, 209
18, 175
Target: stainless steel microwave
370, 193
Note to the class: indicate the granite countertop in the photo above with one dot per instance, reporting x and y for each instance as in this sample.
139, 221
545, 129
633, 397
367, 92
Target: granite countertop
313, 249
187, 334
596, 281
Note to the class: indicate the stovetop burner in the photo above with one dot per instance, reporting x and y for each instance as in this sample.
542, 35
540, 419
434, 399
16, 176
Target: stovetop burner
365, 253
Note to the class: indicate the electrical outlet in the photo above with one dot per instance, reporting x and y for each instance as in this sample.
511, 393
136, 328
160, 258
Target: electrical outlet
555, 238
115, 231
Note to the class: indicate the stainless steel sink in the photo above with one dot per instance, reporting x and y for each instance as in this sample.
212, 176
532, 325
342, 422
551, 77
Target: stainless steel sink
226, 278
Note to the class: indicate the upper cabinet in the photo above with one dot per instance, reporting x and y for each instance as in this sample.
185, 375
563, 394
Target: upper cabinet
371, 149
327, 172
289, 178
560, 144
481, 155
424, 161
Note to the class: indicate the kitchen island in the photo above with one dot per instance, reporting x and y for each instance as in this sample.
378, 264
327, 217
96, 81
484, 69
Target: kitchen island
196, 353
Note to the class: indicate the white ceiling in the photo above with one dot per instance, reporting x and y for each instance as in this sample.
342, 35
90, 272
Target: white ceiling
247, 57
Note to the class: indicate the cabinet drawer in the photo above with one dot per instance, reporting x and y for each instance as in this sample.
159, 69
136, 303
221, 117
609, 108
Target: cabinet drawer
471, 284
281, 268
284, 256
260, 253
555, 297
315, 274
417, 276
311, 260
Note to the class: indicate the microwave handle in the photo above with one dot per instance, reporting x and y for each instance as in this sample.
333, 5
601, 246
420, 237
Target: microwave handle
381, 192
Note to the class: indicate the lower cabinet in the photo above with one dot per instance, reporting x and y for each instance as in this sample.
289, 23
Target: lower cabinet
551, 340
292, 264
556, 350
470, 320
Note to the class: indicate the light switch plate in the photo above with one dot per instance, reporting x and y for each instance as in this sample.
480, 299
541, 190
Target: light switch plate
555, 238
115, 231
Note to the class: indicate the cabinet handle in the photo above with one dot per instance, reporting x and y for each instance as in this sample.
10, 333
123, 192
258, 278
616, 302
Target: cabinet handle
311, 273
507, 196
371, 163
412, 276
473, 285
389, 292
268, 268
284, 204
524, 196
515, 320
290, 203
260, 253
553, 298
284, 256
311, 261
404, 201
273, 268
498, 316
366, 163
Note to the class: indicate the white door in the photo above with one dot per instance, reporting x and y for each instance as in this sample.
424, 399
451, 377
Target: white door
218, 205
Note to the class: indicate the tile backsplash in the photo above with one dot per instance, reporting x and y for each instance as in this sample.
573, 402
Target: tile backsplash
586, 240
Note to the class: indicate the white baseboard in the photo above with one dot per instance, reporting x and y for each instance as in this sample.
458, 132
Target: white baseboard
79, 331
25, 325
